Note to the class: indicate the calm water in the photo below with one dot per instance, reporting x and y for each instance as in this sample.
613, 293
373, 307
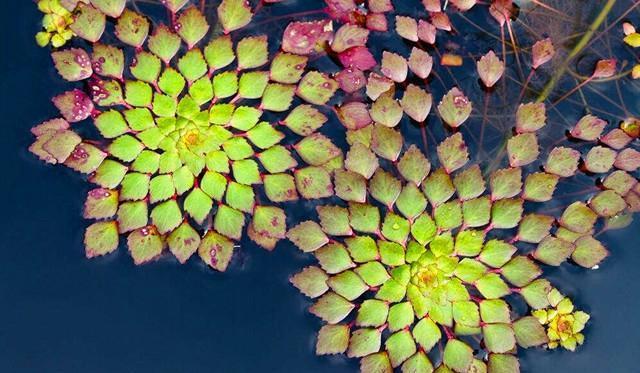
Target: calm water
62, 313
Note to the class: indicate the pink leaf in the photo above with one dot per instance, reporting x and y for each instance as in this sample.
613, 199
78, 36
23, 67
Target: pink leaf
426, 32
354, 115
357, 57
501, 10
377, 22
407, 28
490, 69
377, 85
75, 106
380, 6
604, 69
303, 37
420, 63
432, 5
394, 67
349, 36
463, 5
542, 52
351, 80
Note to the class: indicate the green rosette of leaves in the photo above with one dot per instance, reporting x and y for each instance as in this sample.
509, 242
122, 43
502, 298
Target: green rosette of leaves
186, 146
418, 257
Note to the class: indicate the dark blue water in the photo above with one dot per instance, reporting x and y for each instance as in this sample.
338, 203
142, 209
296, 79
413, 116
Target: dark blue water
62, 313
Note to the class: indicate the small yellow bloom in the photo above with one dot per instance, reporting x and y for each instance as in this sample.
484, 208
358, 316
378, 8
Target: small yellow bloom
564, 325
55, 22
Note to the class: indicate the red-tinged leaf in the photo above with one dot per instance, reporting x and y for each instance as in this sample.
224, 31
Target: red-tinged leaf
313, 183
432, 5
407, 28
523, 149
101, 238
304, 120
621, 182
349, 36
542, 52
377, 22
386, 142
531, 117
192, 25
454, 108
578, 217
563, 162
100, 204
539, 187
441, 21
316, 149
112, 8
449, 59
316, 88
88, 22
416, 103
53, 125
175, 5
604, 69
607, 204
75, 106
394, 67
351, 80
463, 5
506, 183
600, 159
354, 115
386, 110
312, 281
303, 37
588, 128
535, 227
589, 252
216, 251
628, 160
145, 244
426, 32
268, 226
85, 158
107, 61
164, 43
357, 57
132, 28
183, 242
380, 6
350, 186
307, 236
490, 69
234, 14
453, 153
385, 188
73, 64
553, 251
420, 63
414, 166
616, 139
377, 85
501, 10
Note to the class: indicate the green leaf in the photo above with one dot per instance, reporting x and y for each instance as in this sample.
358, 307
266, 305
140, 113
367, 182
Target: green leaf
166, 216
553, 251
72, 64
216, 251
400, 347
164, 43
132, 28
600, 160
391, 253
280, 188
348, 285
193, 26
334, 258
563, 162
477, 212
277, 97
214, 184
268, 226
252, 84
332, 339
313, 182
147, 67
145, 244
438, 187
466, 313
539, 187
312, 282
506, 183
225, 84
362, 248
413, 165
101, 238
317, 149
530, 117
378, 362
161, 188
101, 204
362, 160
132, 215
139, 119
287, 68
457, 355
416, 103
305, 120
373, 313
498, 338
234, 14
198, 205
534, 227
411, 201
529, 332
332, 308
219, 53
507, 213
469, 183
424, 229
126, 148
109, 174
520, 271
523, 149
316, 88
578, 217
229, 222
607, 204
240, 197
386, 110
277, 159
364, 342
386, 142
246, 172
495, 311
392, 291
453, 153
307, 236
350, 186
454, 108
418, 363
469, 242
448, 215
589, 252
88, 22
171, 82
373, 273
491, 286
183, 242
175, 5
107, 61
426, 334
395, 228
501, 363
385, 188
535, 294
252, 52
192, 65
334, 220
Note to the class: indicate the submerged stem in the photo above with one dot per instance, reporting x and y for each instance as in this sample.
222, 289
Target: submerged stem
548, 88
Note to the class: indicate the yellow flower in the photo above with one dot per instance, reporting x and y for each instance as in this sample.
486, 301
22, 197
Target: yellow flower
56, 22
564, 325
